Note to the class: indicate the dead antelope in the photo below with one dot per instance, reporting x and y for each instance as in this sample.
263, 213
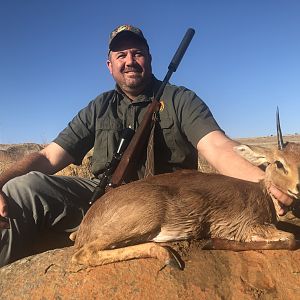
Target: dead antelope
129, 221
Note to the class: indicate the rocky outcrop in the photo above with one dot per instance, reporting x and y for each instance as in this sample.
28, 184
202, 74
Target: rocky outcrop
207, 275
17, 151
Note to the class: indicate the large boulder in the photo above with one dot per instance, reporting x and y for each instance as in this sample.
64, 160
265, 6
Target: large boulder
207, 275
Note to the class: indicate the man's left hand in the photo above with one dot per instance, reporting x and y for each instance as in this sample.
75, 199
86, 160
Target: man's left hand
283, 199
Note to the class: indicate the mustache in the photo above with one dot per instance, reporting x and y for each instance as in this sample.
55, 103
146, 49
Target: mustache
133, 69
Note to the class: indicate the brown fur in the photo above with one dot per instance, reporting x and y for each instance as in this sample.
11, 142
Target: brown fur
188, 205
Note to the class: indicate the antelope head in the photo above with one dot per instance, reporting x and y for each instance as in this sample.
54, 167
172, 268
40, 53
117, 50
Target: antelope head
282, 163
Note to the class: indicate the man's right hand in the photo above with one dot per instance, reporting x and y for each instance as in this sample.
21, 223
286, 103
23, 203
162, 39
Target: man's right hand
3, 212
49, 160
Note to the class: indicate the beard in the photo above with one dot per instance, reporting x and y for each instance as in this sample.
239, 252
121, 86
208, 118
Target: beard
134, 81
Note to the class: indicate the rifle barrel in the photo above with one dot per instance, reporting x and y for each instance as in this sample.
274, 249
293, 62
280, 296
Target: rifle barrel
181, 49
176, 60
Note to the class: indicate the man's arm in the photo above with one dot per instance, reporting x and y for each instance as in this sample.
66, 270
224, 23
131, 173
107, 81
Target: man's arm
49, 160
217, 149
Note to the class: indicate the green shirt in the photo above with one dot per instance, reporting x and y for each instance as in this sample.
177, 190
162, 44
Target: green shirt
182, 121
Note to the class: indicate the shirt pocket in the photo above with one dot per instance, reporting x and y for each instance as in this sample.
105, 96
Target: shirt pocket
166, 135
107, 137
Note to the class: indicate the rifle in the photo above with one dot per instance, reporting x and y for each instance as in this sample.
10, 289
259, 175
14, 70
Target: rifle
122, 163
111, 166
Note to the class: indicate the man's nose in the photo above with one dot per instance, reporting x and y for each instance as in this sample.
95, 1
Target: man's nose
129, 59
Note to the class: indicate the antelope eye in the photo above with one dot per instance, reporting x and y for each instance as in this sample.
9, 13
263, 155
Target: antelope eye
280, 165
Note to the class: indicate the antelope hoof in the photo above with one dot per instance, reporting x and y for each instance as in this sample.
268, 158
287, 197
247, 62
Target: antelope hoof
276, 239
80, 257
174, 260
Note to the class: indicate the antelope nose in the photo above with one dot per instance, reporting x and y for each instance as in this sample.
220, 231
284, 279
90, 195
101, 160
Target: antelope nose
298, 188
295, 192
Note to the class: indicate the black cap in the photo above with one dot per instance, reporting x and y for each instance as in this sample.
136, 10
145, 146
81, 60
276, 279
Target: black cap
120, 30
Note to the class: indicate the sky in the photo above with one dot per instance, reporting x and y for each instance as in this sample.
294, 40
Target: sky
243, 61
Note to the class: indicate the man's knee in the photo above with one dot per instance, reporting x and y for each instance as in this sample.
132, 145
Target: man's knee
23, 196
21, 184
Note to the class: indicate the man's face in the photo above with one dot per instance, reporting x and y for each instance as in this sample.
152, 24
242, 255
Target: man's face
130, 65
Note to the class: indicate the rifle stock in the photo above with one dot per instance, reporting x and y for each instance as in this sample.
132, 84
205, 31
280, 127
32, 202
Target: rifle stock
141, 135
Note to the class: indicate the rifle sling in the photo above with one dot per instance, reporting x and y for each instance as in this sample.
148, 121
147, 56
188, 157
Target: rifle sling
150, 161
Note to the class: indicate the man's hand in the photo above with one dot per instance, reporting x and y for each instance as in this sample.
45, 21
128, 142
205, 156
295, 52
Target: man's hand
49, 160
3, 212
283, 199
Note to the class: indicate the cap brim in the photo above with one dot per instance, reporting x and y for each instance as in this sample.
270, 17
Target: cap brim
124, 33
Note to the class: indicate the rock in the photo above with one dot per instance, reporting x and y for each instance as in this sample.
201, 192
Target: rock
10, 153
207, 275
17, 151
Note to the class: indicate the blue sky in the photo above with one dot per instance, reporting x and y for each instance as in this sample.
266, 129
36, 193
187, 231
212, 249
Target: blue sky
243, 61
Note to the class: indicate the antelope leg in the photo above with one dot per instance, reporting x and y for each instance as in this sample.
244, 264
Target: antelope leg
91, 256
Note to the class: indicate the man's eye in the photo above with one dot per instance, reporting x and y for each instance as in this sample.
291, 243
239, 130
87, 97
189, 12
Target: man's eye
139, 54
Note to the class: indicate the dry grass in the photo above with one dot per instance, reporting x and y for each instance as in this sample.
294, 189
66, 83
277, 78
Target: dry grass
4, 165
81, 171
85, 169
205, 167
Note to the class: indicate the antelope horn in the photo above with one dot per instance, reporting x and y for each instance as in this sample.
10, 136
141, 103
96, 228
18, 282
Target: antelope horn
279, 133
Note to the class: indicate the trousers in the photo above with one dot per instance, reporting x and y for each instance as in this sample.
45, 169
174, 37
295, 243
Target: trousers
38, 204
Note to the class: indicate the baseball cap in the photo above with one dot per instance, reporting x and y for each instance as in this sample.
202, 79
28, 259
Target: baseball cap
125, 29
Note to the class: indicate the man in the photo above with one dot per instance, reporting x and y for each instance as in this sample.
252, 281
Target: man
33, 200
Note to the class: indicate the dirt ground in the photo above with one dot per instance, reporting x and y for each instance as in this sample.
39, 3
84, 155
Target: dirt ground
207, 275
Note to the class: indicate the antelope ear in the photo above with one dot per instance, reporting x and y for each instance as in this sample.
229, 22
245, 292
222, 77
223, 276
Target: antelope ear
256, 155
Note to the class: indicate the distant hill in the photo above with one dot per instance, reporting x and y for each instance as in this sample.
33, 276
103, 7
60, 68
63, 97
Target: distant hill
269, 140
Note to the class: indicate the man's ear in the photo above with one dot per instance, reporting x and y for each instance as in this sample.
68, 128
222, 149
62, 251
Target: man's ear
108, 64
